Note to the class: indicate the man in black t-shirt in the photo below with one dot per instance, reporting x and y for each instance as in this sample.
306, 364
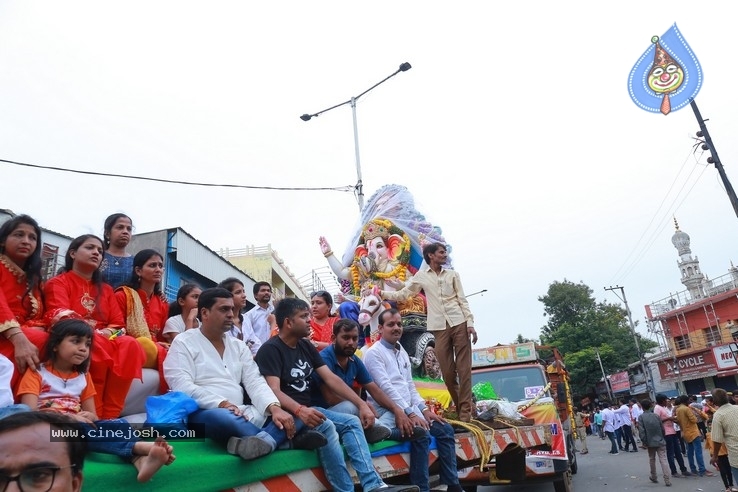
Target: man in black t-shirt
288, 361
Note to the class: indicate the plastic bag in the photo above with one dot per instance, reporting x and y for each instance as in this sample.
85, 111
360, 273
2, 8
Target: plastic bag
484, 391
169, 410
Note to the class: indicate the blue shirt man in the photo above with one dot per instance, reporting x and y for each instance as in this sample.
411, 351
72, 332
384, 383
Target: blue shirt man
340, 357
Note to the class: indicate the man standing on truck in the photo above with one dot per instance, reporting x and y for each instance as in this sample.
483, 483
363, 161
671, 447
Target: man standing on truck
449, 319
288, 362
389, 365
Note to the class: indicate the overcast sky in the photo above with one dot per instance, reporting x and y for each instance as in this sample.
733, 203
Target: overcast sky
513, 130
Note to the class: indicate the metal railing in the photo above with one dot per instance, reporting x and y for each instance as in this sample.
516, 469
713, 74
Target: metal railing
719, 285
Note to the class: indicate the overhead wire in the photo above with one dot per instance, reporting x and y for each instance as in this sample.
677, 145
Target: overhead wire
179, 182
640, 249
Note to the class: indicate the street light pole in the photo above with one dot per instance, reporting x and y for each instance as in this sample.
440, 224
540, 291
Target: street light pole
307, 117
604, 376
646, 373
359, 182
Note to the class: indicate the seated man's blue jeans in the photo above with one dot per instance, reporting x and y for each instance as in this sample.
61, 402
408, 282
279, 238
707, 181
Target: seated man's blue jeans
420, 449
348, 427
220, 424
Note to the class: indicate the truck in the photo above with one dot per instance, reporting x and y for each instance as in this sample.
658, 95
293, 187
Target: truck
539, 388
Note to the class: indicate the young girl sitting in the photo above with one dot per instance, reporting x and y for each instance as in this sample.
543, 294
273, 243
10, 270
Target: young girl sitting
183, 313
63, 385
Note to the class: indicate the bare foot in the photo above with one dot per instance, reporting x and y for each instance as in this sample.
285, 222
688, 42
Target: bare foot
148, 465
170, 449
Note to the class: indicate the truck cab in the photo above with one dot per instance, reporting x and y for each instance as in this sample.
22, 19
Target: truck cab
539, 390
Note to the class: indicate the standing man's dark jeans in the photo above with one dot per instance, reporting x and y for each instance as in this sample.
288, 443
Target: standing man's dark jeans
682, 446
672, 452
614, 447
628, 436
703, 428
619, 437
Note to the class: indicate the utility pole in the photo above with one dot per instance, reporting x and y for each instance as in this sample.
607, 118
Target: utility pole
604, 377
714, 159
646, 374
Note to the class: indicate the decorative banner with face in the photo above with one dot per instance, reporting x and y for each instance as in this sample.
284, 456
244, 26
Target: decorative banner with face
667, 76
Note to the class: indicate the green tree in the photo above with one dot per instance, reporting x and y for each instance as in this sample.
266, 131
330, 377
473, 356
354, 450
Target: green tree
565, 302
521, 339
579, 325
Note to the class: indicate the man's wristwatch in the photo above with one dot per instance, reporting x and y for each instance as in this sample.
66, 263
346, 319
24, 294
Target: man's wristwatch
409, 411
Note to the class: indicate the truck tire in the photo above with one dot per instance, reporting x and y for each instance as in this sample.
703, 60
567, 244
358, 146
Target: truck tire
564, 483
420, 346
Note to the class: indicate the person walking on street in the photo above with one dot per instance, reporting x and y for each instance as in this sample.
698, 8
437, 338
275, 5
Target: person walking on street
691, 434
579, 418
598, 424
672, 444
651, 432
608, 426
623, 414
725, 434
635, 412
699, 414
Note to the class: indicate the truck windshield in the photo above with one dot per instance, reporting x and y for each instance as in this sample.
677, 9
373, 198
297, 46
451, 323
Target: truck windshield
513, 384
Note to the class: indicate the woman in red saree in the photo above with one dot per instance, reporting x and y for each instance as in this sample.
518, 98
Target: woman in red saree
22, 328
321, 320
145, 309
79, 293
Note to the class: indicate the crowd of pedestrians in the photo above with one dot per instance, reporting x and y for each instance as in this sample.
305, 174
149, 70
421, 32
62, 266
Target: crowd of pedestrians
681, 436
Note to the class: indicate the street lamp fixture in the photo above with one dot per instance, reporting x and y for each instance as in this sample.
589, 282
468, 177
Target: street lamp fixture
404, 67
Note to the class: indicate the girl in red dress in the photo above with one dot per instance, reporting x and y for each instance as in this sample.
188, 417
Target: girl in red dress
79, 293
22, 329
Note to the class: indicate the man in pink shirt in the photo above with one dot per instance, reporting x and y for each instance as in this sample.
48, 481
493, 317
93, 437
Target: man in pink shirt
672, 444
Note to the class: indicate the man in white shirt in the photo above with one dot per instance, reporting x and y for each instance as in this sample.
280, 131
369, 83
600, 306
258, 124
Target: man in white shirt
623, 415
389, 366
259, 318
635, 412
211, 367
608, 425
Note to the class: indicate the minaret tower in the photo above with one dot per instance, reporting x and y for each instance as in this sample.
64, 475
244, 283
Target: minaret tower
692, 276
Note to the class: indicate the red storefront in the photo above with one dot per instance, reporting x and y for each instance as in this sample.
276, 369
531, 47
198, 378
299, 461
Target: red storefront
717, 363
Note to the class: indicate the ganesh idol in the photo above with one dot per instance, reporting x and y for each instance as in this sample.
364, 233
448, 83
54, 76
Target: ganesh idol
385, 250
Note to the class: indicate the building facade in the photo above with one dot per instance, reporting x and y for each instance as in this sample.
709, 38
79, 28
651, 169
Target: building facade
698, 326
